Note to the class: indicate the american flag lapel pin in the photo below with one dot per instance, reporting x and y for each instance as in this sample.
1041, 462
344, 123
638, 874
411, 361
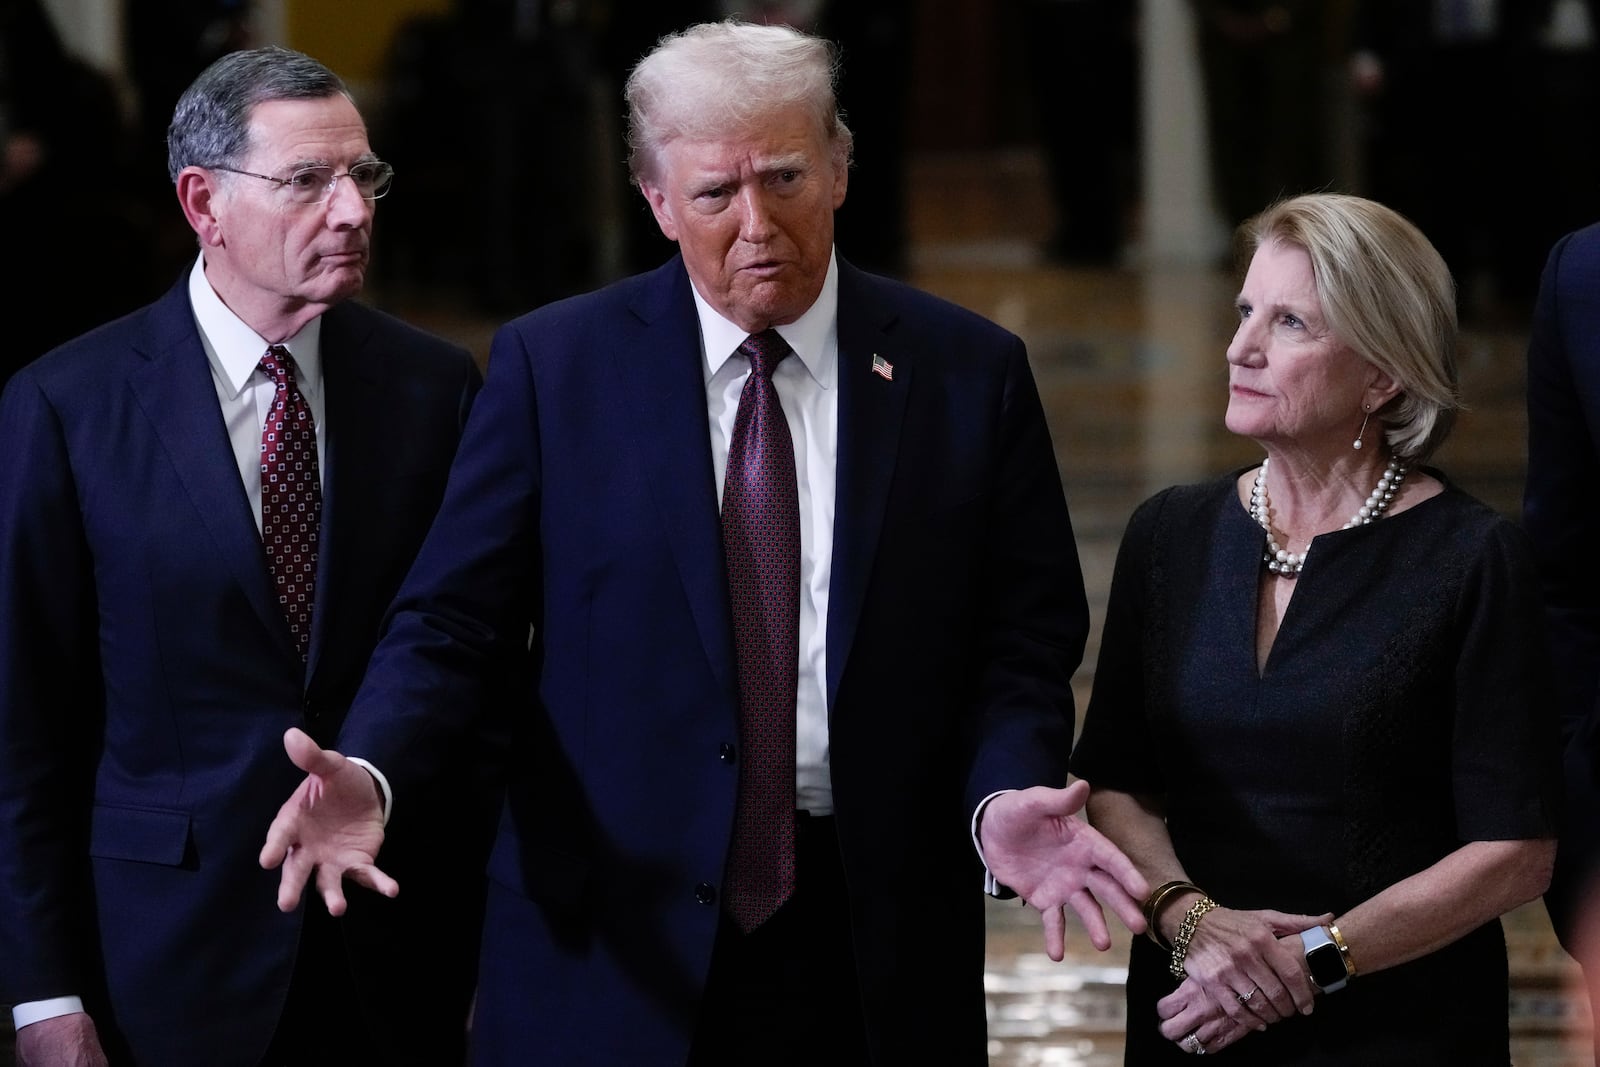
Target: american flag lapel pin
882, 367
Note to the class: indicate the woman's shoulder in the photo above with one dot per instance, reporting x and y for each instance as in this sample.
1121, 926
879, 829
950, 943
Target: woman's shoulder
1455, 517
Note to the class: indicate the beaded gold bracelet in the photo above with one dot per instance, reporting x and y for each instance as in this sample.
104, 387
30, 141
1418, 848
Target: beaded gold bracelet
1180, 943
1152, 906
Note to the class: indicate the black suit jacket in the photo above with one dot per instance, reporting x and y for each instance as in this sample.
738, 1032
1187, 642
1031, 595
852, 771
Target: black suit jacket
583, 504
1561, 510
147, 677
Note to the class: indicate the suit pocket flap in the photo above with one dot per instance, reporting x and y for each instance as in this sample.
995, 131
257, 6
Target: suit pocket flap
142, 834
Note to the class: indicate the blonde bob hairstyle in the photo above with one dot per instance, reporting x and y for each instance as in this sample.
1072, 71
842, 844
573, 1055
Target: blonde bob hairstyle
1387, 295
718, 79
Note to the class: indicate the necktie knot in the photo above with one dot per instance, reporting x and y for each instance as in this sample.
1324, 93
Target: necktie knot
278, 365
765, 350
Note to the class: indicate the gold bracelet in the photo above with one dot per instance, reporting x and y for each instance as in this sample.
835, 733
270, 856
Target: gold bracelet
1152, 906
1344, 951
1180, 944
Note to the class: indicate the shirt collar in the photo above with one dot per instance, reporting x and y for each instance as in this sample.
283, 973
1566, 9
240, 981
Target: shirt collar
235, 350
813, 336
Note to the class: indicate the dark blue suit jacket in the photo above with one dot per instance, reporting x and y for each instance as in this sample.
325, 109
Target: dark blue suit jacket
147, 677
583, 505
1561, 510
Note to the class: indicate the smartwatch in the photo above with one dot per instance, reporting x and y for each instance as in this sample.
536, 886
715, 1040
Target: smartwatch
1325, 961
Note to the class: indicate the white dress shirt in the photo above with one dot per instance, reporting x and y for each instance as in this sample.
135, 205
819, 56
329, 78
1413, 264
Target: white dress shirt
807, 384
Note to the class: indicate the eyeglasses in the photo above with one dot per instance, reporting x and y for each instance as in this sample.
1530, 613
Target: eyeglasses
313, 185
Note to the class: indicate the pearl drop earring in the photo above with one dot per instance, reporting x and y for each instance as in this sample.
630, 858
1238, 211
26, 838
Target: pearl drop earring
1366, 414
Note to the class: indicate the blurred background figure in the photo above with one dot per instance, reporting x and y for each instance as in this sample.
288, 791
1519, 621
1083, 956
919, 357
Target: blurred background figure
1471, 105
69, 218
1265, 64
1081, 74
490, 103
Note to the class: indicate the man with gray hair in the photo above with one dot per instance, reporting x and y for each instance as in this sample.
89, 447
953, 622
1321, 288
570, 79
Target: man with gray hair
207, 508
792, 544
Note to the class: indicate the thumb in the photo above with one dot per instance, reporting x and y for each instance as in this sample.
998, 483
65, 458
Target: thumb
308, 755
1061, 802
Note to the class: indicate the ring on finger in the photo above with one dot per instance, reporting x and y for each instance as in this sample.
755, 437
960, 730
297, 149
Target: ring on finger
1192, 1044
1244, 998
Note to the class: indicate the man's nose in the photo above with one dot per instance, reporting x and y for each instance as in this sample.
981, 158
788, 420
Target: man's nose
755, 224
345, 204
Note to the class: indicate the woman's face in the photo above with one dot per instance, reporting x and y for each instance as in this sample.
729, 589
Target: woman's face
1290, 380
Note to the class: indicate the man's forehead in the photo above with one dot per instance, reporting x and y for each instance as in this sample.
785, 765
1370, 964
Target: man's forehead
313, 129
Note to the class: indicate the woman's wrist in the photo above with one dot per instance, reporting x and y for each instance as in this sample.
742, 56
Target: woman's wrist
1169, 898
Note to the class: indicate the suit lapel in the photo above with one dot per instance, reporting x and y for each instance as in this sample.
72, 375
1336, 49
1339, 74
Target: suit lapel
871, 411
175, 391
660, 369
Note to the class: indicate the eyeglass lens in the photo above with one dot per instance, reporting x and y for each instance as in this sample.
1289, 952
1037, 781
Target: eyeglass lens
311, 185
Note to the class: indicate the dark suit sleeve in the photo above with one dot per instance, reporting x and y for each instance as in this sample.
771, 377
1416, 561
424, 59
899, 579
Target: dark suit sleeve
465, 608
1035, 617
1561, 511
48, 706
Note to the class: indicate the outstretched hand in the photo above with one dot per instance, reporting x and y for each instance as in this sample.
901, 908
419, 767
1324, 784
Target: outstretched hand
332, 826
1034, 841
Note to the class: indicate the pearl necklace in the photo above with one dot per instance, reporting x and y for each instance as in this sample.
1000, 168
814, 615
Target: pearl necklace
1288, 564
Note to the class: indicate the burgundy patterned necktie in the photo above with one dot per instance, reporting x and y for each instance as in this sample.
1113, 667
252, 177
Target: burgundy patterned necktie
291, 495
761, 539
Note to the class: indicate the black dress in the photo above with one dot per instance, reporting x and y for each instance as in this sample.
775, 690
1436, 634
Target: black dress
1403, 710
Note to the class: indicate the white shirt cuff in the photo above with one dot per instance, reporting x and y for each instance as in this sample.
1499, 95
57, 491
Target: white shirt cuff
990, 886
383, 784
37, 1011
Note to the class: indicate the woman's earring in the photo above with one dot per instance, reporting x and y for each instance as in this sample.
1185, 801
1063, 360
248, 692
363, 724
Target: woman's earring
1366, 414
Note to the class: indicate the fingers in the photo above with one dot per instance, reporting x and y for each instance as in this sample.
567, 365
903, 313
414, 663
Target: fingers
1283, 923
1212, 1037
1093, 919
291, 882
1111, 859
1115, 895
1055, 933
331, 886
366, 874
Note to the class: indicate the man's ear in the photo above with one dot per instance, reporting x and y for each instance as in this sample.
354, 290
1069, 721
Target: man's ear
658, 207
201, 199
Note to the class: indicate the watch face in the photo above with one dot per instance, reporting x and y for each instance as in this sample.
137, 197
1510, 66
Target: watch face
1327, 967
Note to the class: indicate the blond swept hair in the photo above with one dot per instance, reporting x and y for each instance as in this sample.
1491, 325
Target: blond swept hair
726, 78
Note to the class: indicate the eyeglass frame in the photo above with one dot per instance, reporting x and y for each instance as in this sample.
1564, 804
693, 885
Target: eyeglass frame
327, 189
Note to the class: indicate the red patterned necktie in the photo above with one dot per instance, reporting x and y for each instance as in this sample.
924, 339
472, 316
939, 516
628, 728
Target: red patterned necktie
761, 540
291, 495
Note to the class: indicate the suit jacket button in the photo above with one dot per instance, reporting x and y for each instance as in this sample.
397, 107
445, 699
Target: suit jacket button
705, 893
725, 752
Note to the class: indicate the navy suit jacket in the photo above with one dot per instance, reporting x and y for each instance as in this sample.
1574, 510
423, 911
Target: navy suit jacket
147, 677
1561, 510
583, 505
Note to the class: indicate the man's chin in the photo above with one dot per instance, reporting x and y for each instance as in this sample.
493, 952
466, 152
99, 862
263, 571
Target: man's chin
341, 284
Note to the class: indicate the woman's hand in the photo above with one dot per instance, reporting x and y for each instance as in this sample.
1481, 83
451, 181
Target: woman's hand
1250, 965
1189, 1015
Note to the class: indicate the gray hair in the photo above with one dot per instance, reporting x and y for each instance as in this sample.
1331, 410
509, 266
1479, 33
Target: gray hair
1387, 294
211, 123
727, 77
